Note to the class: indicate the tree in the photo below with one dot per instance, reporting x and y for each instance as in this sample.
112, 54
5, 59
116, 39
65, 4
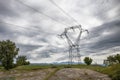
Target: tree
8, 52
114, 59
111, 59
88, 60
117, 57
21, 60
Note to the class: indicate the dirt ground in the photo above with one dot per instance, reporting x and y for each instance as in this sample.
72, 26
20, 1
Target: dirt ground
63, 74
78, 74
25, 75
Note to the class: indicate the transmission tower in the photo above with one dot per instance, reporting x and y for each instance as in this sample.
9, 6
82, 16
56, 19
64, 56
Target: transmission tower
73, 45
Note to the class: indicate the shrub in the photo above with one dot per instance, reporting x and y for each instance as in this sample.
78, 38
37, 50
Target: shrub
21, 60
87, 60
116, 75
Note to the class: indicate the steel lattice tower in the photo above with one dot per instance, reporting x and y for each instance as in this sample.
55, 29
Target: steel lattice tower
73, 45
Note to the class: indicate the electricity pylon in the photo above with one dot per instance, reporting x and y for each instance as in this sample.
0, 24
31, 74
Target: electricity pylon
73, 45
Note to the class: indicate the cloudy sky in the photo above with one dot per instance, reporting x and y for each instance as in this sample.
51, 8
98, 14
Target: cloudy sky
34, 25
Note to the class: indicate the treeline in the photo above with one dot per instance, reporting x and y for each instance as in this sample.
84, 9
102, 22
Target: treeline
112, 62
113, 59
8, 55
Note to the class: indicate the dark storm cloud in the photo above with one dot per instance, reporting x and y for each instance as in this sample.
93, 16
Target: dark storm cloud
108, 40
112, 26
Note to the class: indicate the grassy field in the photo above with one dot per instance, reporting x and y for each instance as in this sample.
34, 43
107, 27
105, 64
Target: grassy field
98, 68
110, 70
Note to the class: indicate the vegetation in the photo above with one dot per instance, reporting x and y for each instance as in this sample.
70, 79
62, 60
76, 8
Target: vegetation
7, 78
87, 60
32, 67
51, 74
114, 59
21, 60
8, 52
113, 70
116, 75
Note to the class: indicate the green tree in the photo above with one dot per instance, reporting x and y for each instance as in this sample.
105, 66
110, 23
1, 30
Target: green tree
117, 57
21, 60
8, 52
114, 59
111, 59
88, 60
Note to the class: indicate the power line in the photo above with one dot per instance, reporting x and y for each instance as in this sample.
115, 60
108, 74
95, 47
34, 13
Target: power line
40, 12
64, 11
16, 25
36, 29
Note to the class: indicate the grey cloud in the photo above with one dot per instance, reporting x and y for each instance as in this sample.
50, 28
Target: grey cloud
101, 8
105, 42
47, 52
3, 28
112, 26
7, 31
62, 58
28, 47
44, 54
40, 55
7, 9
40, 28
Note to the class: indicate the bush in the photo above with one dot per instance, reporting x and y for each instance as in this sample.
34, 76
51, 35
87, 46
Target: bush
21, 60
113, 71
88, 60
116, 75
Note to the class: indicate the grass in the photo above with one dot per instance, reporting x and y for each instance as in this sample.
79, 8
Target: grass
36, 67
51, 74
106, 70
111, 69
32, 67
7, 78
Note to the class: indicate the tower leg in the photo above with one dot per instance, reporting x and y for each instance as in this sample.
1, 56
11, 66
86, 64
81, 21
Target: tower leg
70, 55
78, 54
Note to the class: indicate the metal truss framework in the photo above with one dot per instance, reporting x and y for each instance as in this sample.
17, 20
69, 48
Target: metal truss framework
73, 45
